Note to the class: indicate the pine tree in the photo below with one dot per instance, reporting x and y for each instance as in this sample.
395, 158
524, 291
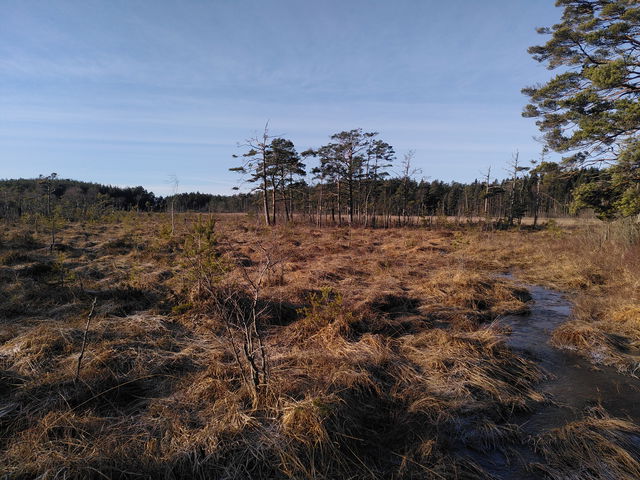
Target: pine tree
591, 109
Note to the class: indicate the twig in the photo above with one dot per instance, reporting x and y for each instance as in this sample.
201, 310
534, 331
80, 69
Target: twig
84, 339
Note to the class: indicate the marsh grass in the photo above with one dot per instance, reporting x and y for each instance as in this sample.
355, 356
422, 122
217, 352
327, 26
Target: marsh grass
598, 447
598, 266
384, 358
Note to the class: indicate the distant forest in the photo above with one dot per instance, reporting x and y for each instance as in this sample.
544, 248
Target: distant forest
383, 201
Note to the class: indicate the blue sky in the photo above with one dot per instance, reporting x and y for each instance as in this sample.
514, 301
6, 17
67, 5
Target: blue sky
129, 92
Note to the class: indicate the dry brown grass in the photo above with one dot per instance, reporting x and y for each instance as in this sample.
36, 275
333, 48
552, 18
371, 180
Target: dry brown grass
596, 448
384, 359
597, 265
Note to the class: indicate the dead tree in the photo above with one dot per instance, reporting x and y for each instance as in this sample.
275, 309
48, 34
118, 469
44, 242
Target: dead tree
256, 164
240, 310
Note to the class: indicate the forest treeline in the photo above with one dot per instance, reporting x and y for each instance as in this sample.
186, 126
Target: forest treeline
72, 199
398, 200
353, 181
371, 196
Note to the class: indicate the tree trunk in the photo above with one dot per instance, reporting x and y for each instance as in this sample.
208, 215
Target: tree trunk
350, 185
339, 205
536, 205
265, 185
273, 205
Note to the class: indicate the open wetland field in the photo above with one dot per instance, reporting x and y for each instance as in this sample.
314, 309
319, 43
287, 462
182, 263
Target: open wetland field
335, 240
221, 348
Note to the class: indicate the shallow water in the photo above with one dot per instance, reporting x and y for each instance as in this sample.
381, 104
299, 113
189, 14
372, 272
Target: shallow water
573, 384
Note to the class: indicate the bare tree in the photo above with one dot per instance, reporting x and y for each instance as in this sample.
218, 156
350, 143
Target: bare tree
240, 309
406, 175
487, 187
174, 182
48, 183
256, 164
84, 340
538, 171
514, 201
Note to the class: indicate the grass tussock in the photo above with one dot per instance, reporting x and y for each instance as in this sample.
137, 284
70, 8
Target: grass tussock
598, 447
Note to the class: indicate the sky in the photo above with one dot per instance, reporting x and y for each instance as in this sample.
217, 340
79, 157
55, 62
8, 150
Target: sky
131, 92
